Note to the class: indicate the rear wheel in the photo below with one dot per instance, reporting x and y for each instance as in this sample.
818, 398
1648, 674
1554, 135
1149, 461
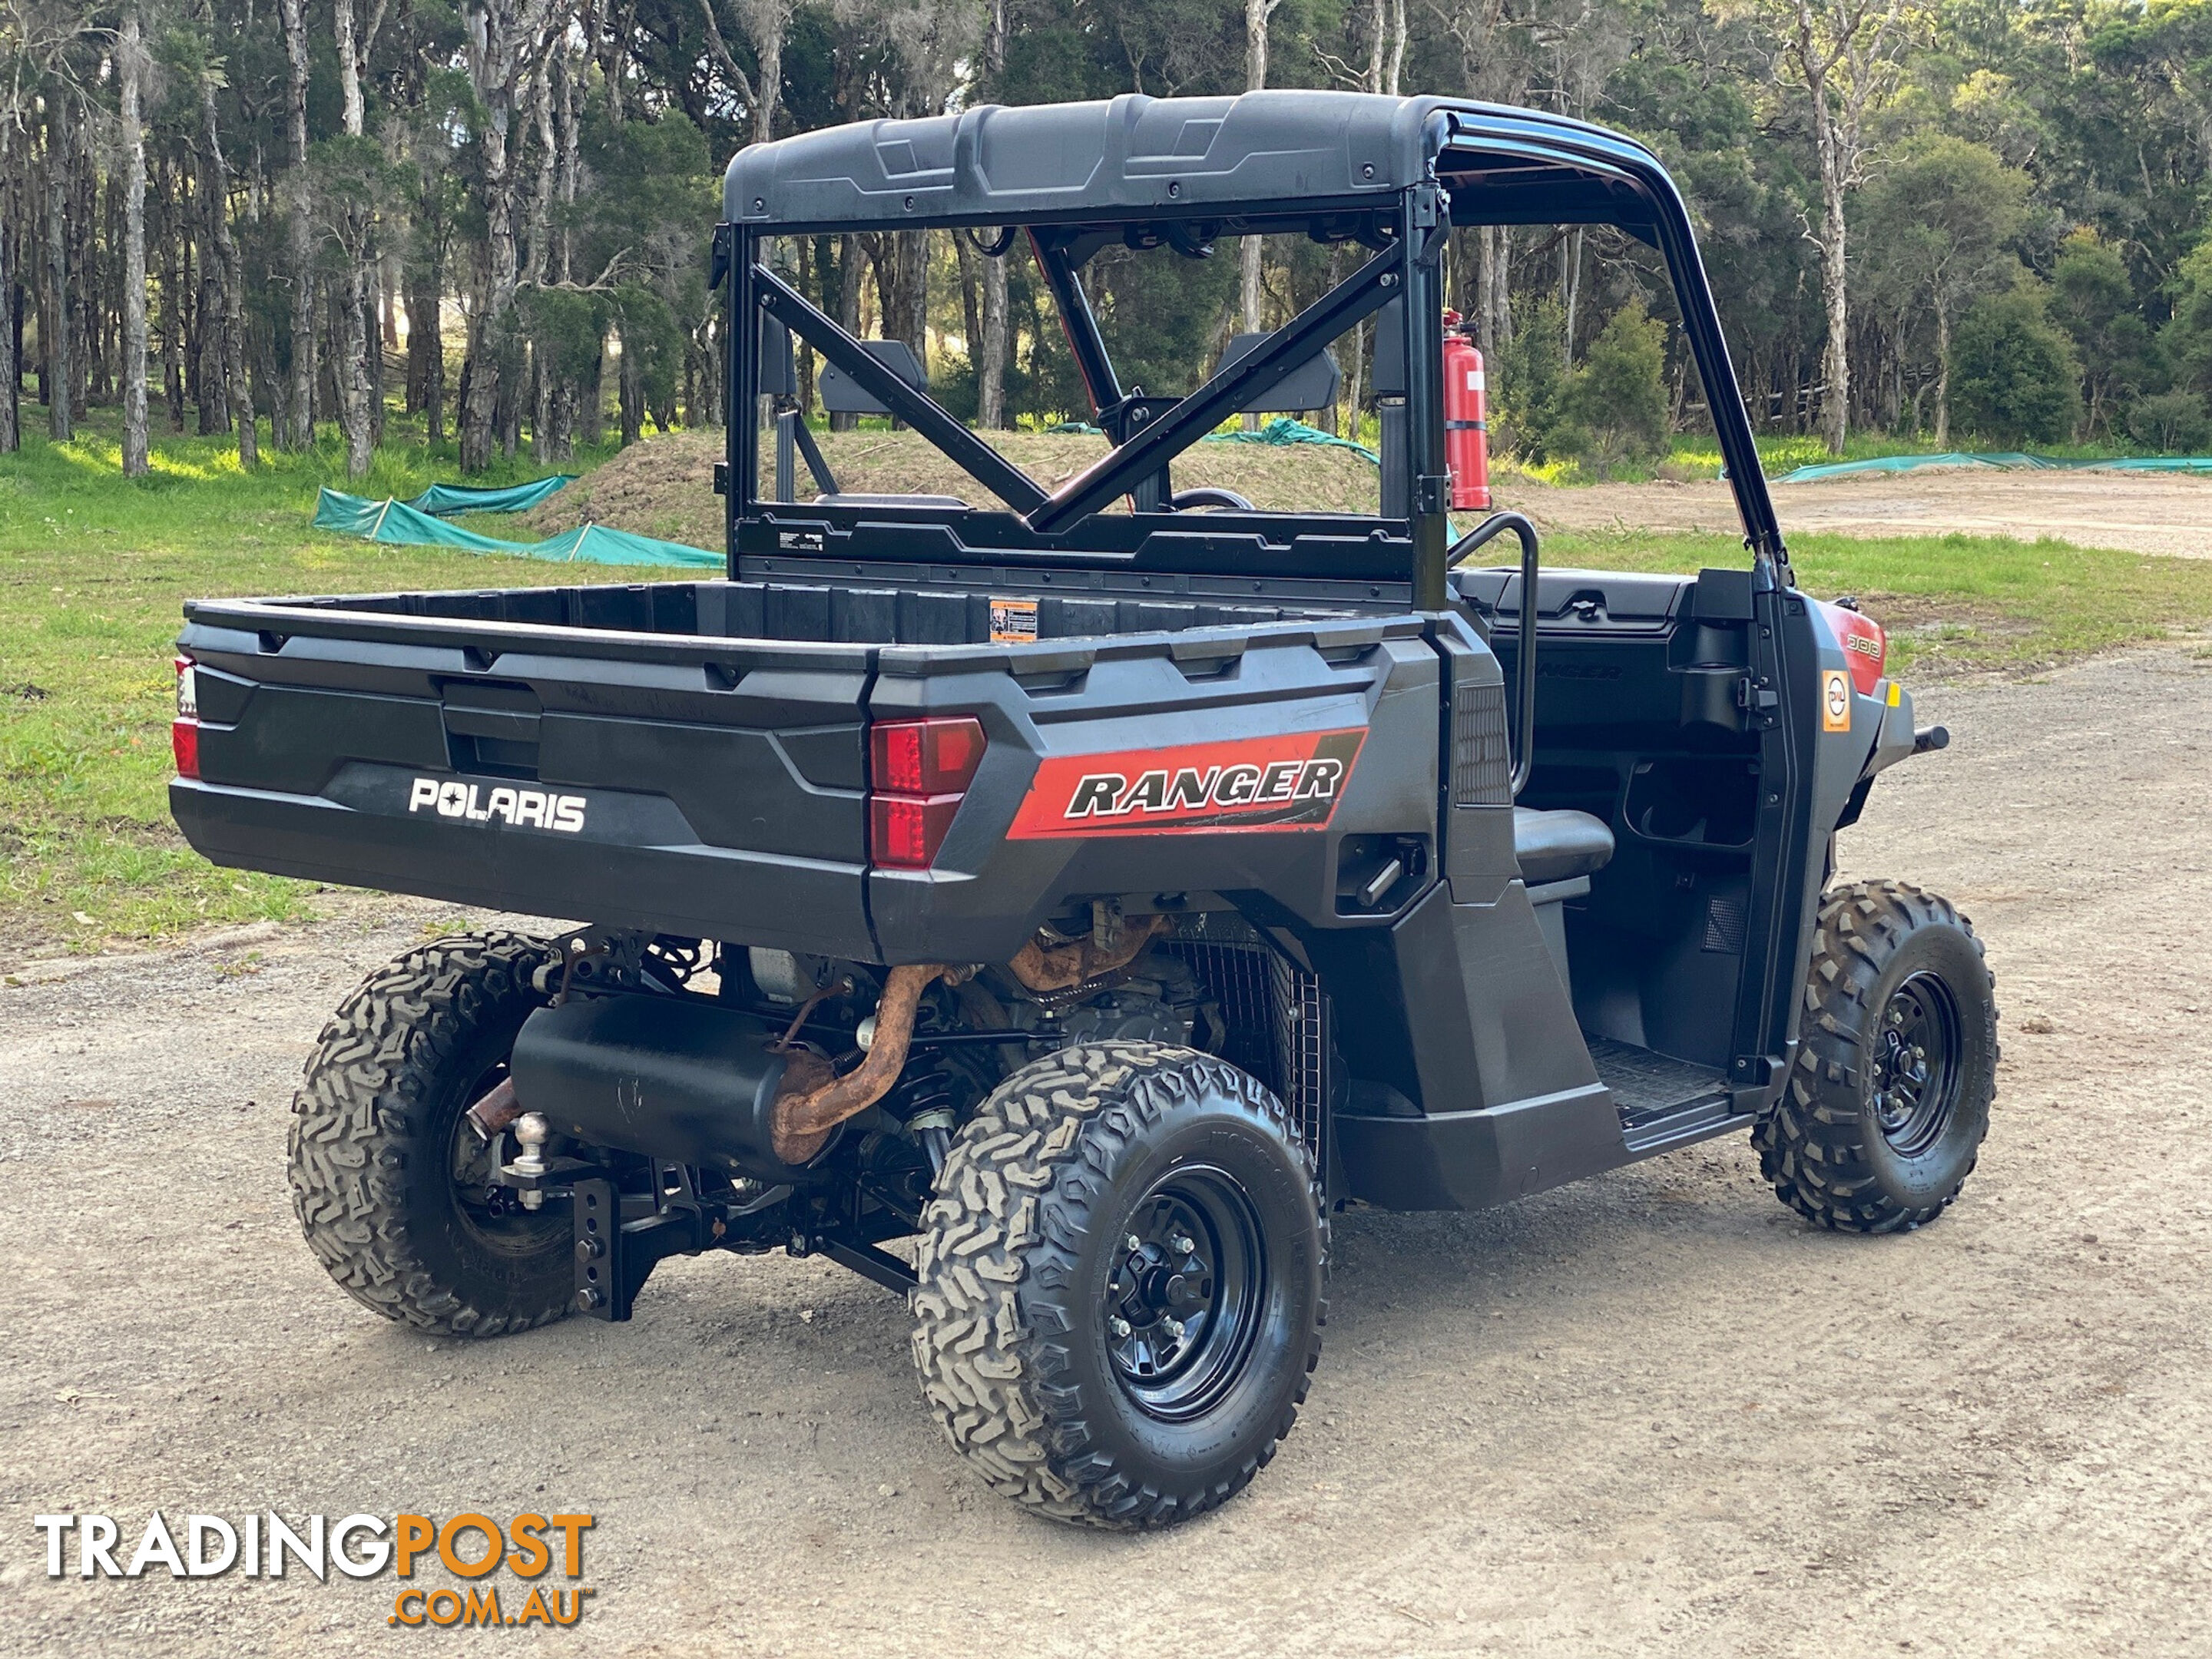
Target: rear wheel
1122, 1285
1885, 1112
392, 1186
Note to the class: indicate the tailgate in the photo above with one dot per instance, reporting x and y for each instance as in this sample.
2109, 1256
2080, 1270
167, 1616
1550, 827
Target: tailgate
690, 784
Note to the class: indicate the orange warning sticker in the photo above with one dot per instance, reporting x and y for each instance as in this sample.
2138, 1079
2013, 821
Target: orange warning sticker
1835, 701
1014, 621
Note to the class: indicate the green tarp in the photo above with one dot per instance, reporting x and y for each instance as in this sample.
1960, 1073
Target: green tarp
1283, 430
399, 524
2000, 459
443, 501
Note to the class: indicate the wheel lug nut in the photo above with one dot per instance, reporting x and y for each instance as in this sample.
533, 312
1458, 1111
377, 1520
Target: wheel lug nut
1134, 1244
1118, 1326
1184, 1244
1175, 1329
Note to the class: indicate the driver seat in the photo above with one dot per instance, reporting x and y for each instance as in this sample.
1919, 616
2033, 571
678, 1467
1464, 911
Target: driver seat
1559, 852
1559, 845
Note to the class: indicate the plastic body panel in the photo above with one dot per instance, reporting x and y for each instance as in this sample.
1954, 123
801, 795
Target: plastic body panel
718, 783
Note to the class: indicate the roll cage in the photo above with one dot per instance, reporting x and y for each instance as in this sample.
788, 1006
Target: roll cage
1393, 175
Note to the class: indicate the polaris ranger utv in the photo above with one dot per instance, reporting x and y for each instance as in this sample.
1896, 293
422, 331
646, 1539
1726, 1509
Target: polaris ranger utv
1105, 883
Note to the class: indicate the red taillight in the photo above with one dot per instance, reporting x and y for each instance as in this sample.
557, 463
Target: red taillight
1866, 647
185, 730
925, 757
918, 771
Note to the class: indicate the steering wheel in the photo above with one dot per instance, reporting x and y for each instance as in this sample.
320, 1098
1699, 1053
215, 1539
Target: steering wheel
1187, 500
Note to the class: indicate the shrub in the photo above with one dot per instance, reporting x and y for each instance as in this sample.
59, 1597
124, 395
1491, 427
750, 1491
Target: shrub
2014, 375
1616, 403
2173, 422
1530, 379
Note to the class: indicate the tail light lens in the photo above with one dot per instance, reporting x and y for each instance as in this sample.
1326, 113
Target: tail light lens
1866, 647
185, 730
918, 771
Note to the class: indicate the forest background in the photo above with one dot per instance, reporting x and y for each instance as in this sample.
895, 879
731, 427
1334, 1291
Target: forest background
491, 221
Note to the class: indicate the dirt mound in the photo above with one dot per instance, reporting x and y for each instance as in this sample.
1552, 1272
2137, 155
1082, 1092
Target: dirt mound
663, 487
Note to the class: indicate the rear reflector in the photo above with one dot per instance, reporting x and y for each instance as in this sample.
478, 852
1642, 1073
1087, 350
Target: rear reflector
917, 773
185, 730
906, 830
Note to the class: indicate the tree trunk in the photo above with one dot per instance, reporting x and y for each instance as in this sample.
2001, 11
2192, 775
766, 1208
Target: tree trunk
541, 418
217, 190
1942, 378
767, 24
989, 353
912, 258
849, 308
354, 375
630, 393
1256, 13
299, 237
990, 367
11, 338
1835, 297
54, 333
494, 68
351, 374
426, 354
131, 51
592, 400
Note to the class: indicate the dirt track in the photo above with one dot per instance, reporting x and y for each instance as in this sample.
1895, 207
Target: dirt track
1650, 1414
2136, 512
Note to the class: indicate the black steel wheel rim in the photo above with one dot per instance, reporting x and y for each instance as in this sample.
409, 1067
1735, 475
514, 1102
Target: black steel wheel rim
1916, 1051
1186, 1287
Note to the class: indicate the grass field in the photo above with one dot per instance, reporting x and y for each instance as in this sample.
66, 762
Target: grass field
94, 570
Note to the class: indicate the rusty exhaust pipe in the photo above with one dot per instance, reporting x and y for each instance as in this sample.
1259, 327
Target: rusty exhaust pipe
812, 1100
499, 1108
1055, 969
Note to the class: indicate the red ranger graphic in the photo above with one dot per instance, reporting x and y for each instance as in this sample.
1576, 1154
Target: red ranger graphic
1288, 783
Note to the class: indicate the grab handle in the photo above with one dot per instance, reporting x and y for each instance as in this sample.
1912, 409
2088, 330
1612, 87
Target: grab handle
1525, 669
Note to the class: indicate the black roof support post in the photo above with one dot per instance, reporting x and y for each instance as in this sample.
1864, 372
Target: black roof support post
1422, 226
1373, 286
741, 423
1078, 320
917, 408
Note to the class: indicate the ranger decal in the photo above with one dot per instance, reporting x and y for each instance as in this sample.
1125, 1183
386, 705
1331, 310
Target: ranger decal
1287, 783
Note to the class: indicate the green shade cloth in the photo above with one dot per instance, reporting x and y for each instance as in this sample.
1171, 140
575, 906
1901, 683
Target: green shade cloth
1284, 429
399, 524
443, 501
2000, 459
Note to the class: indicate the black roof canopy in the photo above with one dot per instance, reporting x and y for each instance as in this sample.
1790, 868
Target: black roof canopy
1282, 156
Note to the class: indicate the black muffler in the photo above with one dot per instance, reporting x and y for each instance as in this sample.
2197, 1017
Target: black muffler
683, 1081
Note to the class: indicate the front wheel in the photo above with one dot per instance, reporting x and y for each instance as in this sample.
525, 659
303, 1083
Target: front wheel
1897, 1058
1122, 1285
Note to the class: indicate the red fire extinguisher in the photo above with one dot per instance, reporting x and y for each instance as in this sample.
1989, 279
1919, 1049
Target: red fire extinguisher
1467, 438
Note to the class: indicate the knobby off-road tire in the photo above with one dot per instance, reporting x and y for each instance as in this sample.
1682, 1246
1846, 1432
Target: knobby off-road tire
389, 1184
1885, 1110
1029, 1264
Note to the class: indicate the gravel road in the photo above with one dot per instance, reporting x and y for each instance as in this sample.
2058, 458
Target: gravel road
1650, 1414
2133, 511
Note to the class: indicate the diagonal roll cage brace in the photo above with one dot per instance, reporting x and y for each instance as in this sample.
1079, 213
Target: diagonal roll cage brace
1366, 291
917, 408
